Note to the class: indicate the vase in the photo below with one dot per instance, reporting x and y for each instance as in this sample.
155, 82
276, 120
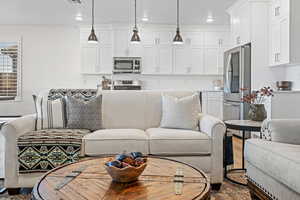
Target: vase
257, 112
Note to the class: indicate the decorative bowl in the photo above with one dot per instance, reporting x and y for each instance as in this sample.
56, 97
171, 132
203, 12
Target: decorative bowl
126, 174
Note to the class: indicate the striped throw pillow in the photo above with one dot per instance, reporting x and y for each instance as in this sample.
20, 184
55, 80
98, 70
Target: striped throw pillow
50, 113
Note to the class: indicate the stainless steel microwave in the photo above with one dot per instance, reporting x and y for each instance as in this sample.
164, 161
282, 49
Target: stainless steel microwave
131, 65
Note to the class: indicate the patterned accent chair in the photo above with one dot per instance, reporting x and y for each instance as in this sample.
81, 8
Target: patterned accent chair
273, 164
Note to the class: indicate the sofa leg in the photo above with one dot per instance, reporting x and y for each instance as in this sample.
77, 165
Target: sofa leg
13, 191
216, 186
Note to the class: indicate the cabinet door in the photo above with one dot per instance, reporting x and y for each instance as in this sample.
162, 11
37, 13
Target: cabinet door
147, 37
275, 44
105, 37
149, 62
215, 108
182, 60
235, 28
284, 57
197, 61
105, 59
164, 37
193, 38
89, 58
221, 61
121, 42
211, 60
216, 39
244, 16
165, 62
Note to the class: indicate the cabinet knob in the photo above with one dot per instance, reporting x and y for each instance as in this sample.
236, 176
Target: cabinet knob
277, 11
220, 42
277, 57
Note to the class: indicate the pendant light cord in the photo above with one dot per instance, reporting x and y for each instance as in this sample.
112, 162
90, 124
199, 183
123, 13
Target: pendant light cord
93, 15
178, 14
135, 26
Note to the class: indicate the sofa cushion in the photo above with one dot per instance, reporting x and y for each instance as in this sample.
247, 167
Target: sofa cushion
164, 141
114, 141
42, 150
278, 160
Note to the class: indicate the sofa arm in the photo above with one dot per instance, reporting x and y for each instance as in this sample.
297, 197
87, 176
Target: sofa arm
282, 130
215, 129
11, 131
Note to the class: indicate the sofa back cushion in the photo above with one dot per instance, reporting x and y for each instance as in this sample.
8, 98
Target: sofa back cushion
125, 109
134, 109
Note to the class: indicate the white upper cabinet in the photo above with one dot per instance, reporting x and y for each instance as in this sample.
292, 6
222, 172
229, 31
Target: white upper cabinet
164, 37
284, 32
240, 23
121, 42
89, 58
165, 60
216, 39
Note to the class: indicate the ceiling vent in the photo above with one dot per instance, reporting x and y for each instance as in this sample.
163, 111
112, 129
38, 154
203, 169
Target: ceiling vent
75, 2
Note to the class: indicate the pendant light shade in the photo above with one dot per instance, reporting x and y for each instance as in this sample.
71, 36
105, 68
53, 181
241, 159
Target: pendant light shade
177, 39
93, 38
135, 39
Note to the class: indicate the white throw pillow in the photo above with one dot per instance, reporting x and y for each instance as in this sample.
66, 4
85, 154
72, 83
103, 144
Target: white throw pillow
180, 113
50, 113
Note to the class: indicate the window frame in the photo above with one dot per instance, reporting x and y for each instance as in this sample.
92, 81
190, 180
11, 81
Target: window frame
19, 96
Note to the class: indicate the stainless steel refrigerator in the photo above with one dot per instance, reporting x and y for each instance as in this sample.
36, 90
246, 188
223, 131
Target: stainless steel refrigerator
237, 75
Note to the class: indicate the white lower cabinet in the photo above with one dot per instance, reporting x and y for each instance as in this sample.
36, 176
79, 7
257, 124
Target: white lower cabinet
212, 104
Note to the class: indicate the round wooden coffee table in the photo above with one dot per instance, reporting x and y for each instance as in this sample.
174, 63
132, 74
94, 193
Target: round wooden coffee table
88, 179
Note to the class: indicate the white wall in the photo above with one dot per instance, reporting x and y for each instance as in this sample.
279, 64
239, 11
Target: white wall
51, 59
293, 74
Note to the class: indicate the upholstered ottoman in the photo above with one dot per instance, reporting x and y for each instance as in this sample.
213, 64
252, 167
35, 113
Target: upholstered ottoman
42, 150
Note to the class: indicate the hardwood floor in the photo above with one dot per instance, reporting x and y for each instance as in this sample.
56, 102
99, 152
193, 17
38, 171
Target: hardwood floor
237, 151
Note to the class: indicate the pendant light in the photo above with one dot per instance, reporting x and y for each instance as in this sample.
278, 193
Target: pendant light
177, 39
135, 39
93, 38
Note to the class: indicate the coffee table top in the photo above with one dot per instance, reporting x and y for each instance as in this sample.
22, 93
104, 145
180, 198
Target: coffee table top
156, 182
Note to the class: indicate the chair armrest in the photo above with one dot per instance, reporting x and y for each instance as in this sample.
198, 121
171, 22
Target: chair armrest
282, 130
215, 129
11, 131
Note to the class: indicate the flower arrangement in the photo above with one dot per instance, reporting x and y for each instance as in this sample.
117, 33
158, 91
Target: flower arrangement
257, 97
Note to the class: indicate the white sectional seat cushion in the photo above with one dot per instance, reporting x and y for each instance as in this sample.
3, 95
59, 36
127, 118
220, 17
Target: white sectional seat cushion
164, 141
115, 141
278, 160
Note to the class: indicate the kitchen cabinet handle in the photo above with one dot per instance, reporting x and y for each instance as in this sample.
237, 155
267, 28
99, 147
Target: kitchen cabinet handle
277, 57
277, 11
238, 40
220, 42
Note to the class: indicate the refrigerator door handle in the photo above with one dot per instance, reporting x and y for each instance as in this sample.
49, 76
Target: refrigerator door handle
227, 74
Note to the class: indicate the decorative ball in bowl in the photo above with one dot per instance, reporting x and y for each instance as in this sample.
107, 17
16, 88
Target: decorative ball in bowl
126, 168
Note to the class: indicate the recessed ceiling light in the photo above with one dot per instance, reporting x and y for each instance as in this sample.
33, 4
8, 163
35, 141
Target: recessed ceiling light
145, 19
210, 19
78, 17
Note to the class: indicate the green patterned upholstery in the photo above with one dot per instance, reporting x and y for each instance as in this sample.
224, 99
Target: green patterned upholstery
42, 150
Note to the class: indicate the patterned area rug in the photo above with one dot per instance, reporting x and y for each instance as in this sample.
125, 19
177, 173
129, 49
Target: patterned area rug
229, 191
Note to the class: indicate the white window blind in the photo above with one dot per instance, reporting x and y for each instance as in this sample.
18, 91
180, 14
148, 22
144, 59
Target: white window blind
9, 70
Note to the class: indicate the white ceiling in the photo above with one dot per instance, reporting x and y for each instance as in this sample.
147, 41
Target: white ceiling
112, 11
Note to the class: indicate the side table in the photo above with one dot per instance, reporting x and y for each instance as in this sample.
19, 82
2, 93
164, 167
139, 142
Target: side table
241, 125
4, 120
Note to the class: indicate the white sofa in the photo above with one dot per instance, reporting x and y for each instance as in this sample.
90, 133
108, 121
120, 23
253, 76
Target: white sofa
131, 121
273, 165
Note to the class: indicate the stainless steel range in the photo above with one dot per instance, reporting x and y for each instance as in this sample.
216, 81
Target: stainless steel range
127, 85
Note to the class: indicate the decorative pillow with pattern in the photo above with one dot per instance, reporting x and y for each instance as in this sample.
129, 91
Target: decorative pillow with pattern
84, 114
180, 113
50, 113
